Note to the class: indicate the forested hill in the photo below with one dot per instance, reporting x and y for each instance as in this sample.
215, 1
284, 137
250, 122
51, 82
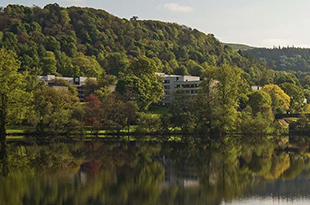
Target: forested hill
87, 42
284, 59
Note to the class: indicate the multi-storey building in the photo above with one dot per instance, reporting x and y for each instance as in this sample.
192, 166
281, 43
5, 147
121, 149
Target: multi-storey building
178, 84
77, 82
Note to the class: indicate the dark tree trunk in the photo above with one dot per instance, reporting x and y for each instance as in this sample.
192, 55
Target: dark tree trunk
3, 115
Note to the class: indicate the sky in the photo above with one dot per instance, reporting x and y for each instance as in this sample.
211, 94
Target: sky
261, 23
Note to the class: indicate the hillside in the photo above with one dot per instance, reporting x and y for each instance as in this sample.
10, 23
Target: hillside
88, 42
285, 58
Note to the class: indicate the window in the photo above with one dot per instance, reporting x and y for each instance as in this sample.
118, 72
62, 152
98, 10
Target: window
167, 81
167, 87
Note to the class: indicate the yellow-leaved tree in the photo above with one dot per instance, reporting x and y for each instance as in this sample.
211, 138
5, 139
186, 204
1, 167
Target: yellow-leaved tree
280, 100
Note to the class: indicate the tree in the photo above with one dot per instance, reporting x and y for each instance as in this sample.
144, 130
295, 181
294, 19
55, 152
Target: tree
259, 101
225, 89
134, 18
141, 82
90, 87
280, 100
182, 113
12, 85
305, 82
284, 77
68, 45
124, 114
296, 94
51, 110
257, 116
88, 66
115, 63
49, 64
181, 71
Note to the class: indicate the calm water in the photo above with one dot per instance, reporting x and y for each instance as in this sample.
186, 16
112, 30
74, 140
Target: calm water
228, 172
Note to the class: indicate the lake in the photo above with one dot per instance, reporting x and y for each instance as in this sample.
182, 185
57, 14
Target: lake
230, 171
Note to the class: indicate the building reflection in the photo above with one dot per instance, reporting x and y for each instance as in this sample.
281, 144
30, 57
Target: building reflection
181, 175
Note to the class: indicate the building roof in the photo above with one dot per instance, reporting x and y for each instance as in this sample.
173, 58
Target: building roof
175, 76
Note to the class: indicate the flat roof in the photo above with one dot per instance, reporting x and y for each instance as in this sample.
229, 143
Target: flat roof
168, 75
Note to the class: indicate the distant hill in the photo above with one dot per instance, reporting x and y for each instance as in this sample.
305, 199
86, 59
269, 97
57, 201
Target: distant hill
78, 41
238, 47
284, 59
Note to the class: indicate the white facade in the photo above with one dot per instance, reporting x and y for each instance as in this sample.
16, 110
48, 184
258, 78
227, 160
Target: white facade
77, 82
183, 85
255, 87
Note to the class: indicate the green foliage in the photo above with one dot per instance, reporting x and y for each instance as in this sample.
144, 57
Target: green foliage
285, 58
259, 101
141, 83
297, 97
13, 96
182, 113
88, 42
110, 41
86, 66
280, 100
223, 105
49, 64
51, 111
148, 123
114, 63
225, 92
284, 77
301, 126
258, 123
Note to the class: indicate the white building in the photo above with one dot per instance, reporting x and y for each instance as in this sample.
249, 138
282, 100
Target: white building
77, 82
256, 87
184, 85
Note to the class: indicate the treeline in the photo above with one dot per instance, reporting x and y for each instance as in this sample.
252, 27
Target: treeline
24, 100
290, 64
284, 58
88, 42
224, 103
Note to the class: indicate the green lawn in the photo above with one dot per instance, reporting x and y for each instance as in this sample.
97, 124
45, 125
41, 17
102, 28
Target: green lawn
14, 138
15, 130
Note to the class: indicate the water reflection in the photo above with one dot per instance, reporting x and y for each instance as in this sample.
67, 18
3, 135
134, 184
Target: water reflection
231, 171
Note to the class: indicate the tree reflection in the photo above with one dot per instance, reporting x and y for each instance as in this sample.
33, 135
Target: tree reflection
145, 173
3, 159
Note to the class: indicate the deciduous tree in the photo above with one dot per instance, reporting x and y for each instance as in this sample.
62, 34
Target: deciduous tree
141, 82
296, 94
12, 85
280, 100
